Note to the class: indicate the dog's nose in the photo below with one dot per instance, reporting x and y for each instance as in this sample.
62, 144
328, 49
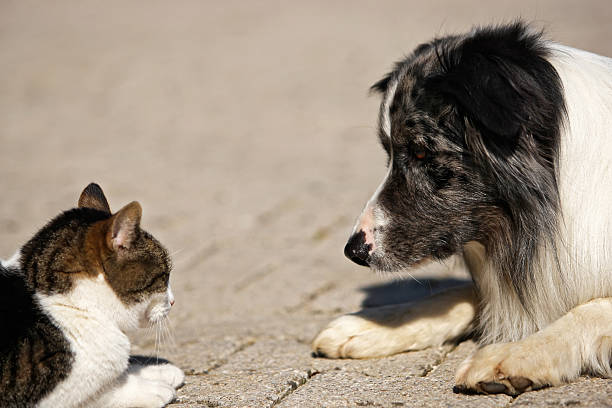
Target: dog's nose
357, 250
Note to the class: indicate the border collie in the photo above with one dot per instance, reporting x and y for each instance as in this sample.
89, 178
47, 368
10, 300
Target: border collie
500, 151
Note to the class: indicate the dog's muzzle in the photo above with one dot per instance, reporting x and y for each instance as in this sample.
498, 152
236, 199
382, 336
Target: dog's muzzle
357, 250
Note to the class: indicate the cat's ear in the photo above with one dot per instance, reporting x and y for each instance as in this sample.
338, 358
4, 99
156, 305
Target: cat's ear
93, 197
124, 227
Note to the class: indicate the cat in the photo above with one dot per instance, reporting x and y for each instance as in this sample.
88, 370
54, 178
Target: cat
67, 298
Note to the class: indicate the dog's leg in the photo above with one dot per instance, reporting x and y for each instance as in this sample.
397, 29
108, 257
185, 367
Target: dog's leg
386, 330
580, 341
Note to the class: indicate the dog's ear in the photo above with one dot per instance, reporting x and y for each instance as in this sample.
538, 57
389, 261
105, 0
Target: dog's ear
499, 80
382, 85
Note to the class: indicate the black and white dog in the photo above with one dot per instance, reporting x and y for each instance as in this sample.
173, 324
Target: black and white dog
500, 151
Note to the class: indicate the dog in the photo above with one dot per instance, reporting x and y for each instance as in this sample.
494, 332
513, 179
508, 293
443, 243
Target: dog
499, 147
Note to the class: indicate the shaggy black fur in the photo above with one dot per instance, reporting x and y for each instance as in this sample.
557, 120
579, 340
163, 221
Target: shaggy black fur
34, 354
475, 129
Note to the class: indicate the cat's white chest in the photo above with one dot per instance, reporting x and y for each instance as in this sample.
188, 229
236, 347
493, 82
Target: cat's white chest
100, 349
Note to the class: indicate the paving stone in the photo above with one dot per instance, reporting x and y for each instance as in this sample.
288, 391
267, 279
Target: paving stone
446, 369
394, 389
584, 392
270, 370
257, 376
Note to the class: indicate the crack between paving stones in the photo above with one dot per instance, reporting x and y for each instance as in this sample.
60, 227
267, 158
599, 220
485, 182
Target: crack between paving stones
293, 386
208, 251
255, 277
281, 207
511, 401
438, 361
312, 296
223, 361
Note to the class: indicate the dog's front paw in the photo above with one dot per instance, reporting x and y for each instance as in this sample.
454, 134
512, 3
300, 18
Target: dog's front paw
339, 338
355, 336
508, 368
386, 330
165, 373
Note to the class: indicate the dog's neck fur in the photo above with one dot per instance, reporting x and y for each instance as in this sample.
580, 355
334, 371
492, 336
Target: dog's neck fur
579, 268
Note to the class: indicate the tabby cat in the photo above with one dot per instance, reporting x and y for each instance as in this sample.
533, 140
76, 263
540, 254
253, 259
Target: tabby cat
66, 300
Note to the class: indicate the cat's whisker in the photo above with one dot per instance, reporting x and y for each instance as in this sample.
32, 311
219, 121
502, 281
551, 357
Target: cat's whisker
157, 342
171, 336
149, 330
153, 328
160, 330
162, 337
169, 339
178, 251
164, 326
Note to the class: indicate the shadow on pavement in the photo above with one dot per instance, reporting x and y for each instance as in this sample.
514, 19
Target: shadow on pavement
403, 291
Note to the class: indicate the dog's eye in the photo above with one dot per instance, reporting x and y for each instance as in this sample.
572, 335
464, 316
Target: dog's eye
420, 154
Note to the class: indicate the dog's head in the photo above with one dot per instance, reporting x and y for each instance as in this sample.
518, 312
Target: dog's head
470, 125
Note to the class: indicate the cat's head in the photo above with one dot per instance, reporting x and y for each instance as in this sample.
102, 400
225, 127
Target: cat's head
101, 261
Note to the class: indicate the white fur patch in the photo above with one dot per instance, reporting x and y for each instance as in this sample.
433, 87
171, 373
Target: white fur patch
13, 261
134, 390
94, 319
90, 316
372, 216
386, 104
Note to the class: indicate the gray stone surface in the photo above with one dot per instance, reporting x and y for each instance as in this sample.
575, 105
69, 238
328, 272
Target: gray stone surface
586, 392
245, 131
405, 380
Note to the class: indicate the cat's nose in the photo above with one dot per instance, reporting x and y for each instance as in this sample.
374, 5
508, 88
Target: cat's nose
170, 296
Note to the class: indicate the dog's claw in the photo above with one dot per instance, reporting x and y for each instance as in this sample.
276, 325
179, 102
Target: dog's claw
461, 389
492, 387
520, 383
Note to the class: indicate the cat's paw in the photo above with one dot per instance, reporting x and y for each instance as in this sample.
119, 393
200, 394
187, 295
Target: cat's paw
136, 391
508, 368
155, 394
166, 373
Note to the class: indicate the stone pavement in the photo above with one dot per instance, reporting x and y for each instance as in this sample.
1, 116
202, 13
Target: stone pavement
245, 131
